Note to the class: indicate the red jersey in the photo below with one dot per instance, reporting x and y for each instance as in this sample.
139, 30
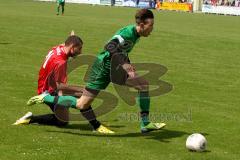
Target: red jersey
53, 70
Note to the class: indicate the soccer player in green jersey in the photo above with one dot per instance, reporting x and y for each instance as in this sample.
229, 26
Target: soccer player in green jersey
61, 3
105, 69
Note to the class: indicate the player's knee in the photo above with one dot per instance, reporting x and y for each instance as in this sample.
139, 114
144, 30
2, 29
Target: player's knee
86, 99
82, 105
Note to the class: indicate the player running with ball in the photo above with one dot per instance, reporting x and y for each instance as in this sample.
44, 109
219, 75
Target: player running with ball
115, 53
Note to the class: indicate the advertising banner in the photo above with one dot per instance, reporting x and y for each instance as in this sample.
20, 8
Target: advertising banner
220, 9
129, 3
105, 2
77, 1
118, 2
139, 3
176, 6
146, 4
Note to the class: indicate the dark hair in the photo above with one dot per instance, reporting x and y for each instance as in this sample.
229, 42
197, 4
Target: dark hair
73, 40
142, 15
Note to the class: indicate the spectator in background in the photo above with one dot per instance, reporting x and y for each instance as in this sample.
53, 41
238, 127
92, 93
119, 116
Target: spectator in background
231, 2
237, 3
223, 2
61, 3
158, 5
151, 3
219, 3
214, 2
112, 2
226, 3
137, 2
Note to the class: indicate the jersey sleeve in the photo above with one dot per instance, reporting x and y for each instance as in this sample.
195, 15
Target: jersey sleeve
127, 39
122, 36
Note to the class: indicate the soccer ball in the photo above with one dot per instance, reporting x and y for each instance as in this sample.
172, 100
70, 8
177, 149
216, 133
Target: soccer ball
196, 142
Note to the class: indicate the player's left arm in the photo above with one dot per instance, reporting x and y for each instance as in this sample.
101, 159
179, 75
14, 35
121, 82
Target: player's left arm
60, 78
114, 47
70, 90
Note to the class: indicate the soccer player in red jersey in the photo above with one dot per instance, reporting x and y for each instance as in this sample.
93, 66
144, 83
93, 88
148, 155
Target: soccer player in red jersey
52, 80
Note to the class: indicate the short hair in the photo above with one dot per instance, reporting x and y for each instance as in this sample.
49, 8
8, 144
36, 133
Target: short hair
74, 40
142, 15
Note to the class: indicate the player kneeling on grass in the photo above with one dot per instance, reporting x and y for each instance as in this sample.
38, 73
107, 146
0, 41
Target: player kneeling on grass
115, 57
52, 81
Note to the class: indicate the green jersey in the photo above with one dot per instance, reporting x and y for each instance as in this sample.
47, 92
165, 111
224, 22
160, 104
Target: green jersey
99, 77
60, 1
127, 36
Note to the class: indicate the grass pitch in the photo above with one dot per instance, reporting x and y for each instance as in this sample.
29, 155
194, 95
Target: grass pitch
200, 51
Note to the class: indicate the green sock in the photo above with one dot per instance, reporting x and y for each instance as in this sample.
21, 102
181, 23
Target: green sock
143, 101
62, 9
66, 101
144, 118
